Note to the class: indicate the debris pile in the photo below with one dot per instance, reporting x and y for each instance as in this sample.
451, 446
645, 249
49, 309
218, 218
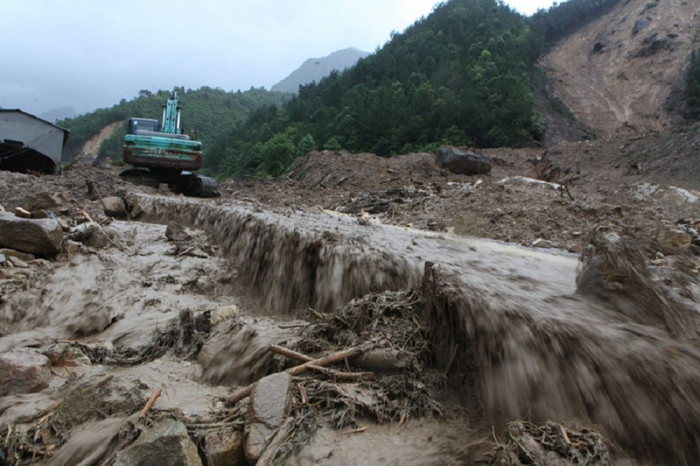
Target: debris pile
551, 443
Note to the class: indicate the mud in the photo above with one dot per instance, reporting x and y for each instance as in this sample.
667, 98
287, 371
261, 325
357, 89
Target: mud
483, 332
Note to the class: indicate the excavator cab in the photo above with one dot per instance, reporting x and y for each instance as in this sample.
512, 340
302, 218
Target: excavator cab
136, 125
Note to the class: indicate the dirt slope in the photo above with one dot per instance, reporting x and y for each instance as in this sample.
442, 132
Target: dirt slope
623, 73
92, 146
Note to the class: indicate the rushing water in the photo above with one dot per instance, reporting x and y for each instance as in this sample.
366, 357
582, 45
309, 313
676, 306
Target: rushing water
529, 344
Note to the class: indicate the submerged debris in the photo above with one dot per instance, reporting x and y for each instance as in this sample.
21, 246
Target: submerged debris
397, 393
551, 443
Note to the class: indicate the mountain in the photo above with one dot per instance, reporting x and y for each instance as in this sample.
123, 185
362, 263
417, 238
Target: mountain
625, 71
59, 113
314, 69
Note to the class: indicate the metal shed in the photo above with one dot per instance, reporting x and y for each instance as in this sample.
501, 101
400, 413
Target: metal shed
28, 143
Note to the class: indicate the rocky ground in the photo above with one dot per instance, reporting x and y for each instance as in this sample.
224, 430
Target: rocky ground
137, 343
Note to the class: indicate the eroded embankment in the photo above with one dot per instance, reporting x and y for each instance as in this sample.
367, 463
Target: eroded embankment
527, 345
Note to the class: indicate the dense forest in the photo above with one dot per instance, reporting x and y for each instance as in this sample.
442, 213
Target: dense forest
209, 112
459, 76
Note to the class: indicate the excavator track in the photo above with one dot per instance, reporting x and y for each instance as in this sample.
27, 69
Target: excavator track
185, 183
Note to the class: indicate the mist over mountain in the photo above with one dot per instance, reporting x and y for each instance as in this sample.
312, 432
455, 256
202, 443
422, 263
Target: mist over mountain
59, 113
315, 69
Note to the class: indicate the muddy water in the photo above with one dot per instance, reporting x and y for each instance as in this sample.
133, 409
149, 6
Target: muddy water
529, 346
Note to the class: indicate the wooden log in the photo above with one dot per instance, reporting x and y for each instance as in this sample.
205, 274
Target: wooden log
36, 236
296, 370
291, 354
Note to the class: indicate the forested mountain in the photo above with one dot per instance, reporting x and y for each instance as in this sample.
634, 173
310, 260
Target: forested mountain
315, 69
458, 76
209, 112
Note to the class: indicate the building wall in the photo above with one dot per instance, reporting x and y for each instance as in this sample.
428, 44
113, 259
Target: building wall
36, 134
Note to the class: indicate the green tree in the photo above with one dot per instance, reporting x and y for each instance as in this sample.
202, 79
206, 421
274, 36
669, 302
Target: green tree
306, 145
332, 144
692, 94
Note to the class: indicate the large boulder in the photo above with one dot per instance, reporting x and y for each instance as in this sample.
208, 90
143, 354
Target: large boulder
462, 162
269, 403
165, 443
114, 207
23, 371
35, 236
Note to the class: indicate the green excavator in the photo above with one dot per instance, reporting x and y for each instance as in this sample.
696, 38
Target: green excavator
168, 155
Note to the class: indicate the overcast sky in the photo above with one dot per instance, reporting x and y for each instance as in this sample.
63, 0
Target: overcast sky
91, 53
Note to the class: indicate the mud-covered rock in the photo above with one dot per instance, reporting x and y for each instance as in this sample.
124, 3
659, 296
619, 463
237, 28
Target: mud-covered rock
89, 233
269, 404
165, 443
224, 448
29, 235
177, 232
26, 257
42, 200
114, 207
23, 371
462, 162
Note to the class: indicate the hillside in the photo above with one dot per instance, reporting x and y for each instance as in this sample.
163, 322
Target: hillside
623, 73
315, 69
210, 112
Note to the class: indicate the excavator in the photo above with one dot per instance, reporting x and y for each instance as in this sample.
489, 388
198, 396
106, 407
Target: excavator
169, 155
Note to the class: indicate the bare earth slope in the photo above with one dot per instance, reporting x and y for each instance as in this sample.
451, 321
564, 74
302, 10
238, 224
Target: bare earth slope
618, 73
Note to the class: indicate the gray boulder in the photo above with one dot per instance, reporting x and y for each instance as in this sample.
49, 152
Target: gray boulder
42, 236
269, 404
23, 371
166, 443
462, 162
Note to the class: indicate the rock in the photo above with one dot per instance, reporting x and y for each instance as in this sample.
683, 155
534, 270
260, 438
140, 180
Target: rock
90, 443
17, 262
21, 213
164, 443
3, 259
64, 354
114, 207
640, 25
42, 200
542, 243
20, 255
89, 233
224, 448
462, 162
384, 360
29, 235
43, 213
133, 206
176, 232
269, 404
23, 371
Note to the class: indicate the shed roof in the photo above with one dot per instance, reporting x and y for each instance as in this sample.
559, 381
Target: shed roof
66, 132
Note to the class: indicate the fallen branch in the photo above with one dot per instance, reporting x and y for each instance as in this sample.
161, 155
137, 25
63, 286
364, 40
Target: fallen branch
340, 375
296, 370
151, 401
291, 354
